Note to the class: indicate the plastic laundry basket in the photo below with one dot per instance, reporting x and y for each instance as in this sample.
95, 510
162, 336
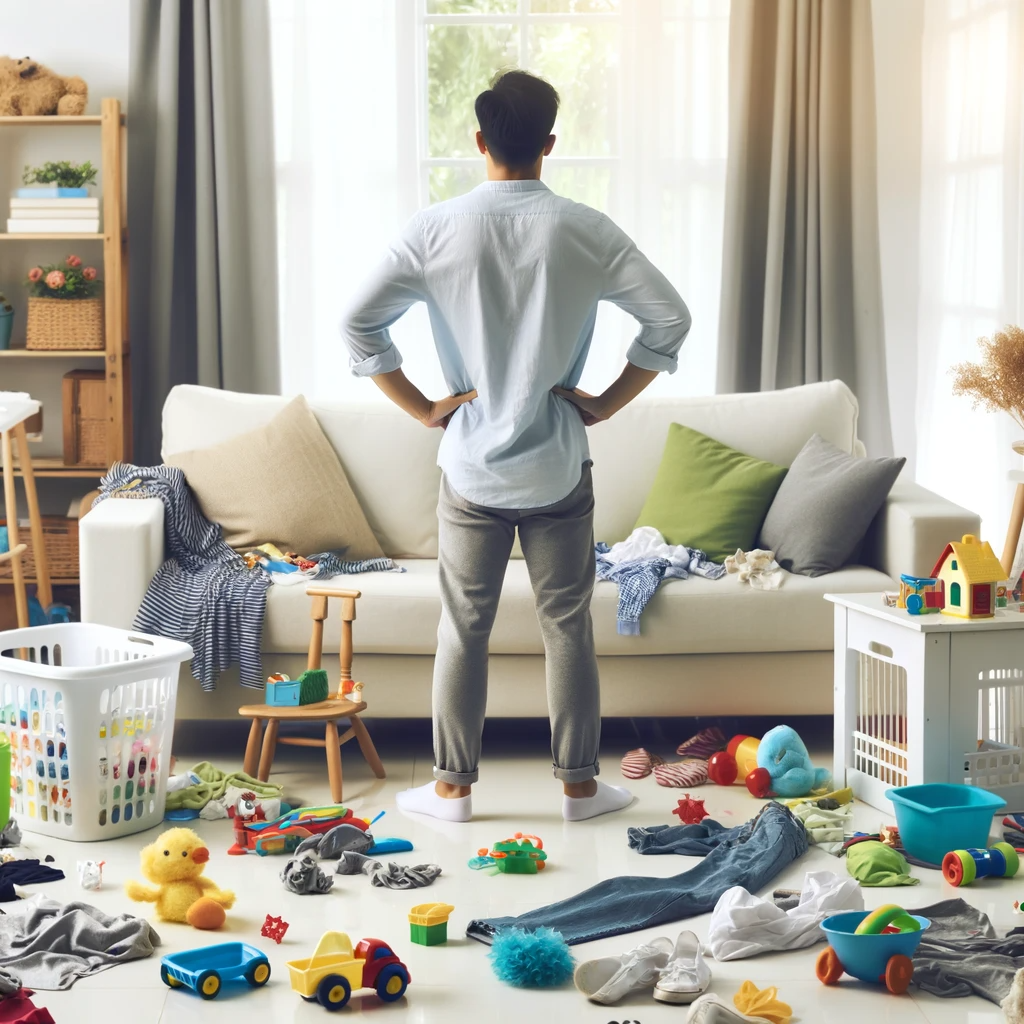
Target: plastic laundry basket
89, 711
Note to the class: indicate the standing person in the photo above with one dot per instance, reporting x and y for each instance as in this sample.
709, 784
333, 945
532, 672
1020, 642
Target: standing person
512, 274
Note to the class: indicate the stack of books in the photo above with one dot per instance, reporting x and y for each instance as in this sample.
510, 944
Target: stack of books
56, 211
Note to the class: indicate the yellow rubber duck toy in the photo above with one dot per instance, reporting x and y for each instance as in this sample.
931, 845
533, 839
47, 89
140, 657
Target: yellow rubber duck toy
175, 864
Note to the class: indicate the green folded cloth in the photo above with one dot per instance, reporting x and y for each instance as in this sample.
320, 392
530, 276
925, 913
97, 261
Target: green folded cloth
875, 864
214, 785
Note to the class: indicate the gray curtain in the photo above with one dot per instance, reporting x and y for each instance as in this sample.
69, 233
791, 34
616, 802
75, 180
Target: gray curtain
202, 253
801, 278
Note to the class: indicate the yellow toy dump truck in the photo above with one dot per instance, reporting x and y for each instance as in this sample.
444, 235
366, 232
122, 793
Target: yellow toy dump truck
335, 970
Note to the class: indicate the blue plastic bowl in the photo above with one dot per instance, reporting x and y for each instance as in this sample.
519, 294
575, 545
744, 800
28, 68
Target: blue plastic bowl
938, 817
865, 956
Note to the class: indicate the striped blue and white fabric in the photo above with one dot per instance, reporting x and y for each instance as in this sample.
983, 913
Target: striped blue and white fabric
638, 579
204, 594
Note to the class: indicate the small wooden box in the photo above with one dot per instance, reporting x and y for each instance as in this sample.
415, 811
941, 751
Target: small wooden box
85, 418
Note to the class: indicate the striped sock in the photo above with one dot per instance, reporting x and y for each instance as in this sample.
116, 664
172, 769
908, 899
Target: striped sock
682, 774
704, 744
637, 764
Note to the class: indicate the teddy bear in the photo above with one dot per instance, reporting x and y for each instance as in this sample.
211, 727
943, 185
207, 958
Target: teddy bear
29, 89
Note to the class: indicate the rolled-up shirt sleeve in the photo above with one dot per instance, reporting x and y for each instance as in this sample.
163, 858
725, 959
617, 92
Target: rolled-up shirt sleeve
392, 288
639, 288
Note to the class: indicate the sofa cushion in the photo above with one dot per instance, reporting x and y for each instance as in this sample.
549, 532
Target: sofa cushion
709, 496
280, 482
398, 614
825, 506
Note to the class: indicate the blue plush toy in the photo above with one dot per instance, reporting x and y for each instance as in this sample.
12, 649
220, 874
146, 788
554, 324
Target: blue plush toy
783, 755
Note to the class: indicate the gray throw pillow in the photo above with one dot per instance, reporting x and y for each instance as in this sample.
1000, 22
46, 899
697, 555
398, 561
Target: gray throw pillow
824, 507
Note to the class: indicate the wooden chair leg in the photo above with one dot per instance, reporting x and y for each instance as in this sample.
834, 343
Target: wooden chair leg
1013, 531
333, 751
11, 504
316, 640
43, 588
269, 745
252, 748
367, 747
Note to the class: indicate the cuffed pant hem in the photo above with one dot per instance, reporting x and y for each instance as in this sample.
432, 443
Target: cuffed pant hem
572, 774
456, 778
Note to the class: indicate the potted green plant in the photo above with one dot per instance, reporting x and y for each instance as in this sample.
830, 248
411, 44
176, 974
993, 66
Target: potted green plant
6, 322
60, 174
65, 307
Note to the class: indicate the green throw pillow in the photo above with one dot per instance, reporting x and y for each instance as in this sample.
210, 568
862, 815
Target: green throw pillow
709, 496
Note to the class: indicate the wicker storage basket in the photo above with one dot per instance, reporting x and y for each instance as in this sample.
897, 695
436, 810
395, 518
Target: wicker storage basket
61, 538
75, 324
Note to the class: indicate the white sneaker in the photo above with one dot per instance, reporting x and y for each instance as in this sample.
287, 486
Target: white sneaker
686, 975
609, 978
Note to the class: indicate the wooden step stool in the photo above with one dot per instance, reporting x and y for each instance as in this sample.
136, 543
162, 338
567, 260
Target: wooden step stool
328, 711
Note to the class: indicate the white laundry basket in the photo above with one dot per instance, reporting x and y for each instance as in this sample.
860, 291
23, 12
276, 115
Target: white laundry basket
89, 711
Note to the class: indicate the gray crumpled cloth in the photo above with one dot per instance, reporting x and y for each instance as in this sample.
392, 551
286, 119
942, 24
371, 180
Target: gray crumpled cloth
394, 876
302, 875
52, 945
331, 845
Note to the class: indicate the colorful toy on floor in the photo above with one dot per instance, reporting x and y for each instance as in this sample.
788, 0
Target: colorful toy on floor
886, 920
335, 970
690, 811
90, 873
961, 867
722, 768
428, 923
174, 862
762, 1002
882, 958
389, 844
534, 959
783, 755
920, 595
205, 970
520, 855
274, 928
284, 834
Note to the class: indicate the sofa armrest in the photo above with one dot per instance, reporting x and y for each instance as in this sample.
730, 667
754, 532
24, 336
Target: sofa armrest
121, 546
913, 527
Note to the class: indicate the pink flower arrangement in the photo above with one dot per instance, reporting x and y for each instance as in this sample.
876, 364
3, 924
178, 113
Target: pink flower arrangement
69, 280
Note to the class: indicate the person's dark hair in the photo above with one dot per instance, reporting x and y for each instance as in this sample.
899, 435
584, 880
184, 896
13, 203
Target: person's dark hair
516, 116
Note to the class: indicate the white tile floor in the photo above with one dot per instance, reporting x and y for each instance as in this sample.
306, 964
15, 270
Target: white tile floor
453, 983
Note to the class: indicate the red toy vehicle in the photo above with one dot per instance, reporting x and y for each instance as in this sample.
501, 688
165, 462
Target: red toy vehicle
285, 833
335, 970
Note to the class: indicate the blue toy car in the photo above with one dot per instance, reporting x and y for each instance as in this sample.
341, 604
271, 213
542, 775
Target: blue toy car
204, 970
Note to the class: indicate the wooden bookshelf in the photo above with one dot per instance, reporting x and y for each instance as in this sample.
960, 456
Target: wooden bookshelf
114, 357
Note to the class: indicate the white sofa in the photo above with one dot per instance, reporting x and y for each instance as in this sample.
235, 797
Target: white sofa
706, 647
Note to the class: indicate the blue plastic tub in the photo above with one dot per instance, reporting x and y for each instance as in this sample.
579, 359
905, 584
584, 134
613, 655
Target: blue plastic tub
866, 956
938, 817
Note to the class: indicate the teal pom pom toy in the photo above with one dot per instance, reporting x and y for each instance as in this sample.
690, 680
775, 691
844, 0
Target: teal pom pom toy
539, 959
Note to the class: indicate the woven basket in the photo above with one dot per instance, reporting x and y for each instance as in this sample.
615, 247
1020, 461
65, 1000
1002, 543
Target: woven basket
75, 324
60, 535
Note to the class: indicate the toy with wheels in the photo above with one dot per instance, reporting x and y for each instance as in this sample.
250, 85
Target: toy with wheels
205, 970
961, 867
880, 956
335, 971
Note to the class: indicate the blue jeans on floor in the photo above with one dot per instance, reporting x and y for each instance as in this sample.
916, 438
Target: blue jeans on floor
750, 855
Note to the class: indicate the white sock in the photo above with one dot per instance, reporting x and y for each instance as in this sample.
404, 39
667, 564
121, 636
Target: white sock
605, 800
424, 800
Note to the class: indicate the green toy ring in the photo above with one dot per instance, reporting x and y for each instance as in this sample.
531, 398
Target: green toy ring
889, 915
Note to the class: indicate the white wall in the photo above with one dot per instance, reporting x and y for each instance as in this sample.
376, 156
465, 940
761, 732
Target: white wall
72, 37
898, 30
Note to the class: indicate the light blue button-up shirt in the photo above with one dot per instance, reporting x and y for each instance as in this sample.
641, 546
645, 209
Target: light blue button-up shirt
512, 274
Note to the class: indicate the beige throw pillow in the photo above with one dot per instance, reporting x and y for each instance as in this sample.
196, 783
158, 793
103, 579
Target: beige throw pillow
280, 483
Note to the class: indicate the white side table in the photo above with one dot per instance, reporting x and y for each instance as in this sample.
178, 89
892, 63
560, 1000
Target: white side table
927, 698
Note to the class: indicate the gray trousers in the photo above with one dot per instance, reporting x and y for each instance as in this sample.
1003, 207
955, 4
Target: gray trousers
474, 544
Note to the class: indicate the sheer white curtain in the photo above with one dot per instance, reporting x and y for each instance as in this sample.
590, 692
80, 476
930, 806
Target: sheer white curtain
373, 119
972, 275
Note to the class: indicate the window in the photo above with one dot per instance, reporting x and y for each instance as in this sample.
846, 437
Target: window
972, 275
373, 109
952, 565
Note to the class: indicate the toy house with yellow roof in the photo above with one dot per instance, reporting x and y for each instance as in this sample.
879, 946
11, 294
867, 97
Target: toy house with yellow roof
969, 571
